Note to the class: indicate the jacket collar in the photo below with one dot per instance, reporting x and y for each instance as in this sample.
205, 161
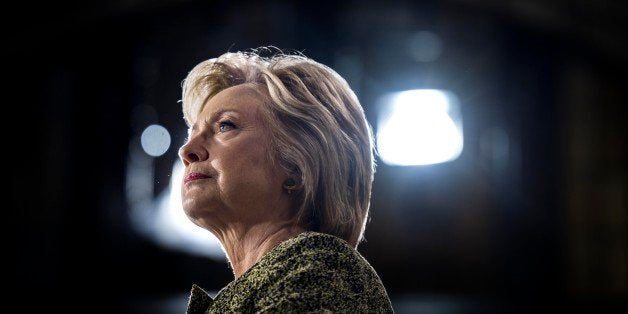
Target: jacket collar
199, 301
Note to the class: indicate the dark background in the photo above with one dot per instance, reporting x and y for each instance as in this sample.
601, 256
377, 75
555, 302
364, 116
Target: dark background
542, 229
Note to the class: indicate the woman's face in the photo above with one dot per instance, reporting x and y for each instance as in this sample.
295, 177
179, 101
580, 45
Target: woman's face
229, 175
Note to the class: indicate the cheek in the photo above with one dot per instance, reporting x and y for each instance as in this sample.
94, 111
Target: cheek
246, 172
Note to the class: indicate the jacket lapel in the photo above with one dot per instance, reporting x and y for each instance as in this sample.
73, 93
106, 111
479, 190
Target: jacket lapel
199, 301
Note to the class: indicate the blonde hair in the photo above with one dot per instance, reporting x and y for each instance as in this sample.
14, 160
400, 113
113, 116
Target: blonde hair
320, 134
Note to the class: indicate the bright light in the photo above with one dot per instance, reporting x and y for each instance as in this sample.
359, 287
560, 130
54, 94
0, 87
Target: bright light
155, 140
419, 127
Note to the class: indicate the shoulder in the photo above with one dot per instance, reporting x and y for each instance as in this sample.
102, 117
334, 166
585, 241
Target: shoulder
318, 254
311, 246
316, 271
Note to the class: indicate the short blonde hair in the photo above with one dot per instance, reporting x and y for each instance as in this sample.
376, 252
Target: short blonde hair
320, 134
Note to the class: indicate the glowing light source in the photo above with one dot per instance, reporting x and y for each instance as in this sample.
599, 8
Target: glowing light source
419, 127
155, 140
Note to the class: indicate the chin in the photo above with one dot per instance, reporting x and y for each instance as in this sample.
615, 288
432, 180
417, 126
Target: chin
192, 208
196, 209
199, 217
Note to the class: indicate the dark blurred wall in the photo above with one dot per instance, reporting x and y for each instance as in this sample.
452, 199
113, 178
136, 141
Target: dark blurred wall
544, 226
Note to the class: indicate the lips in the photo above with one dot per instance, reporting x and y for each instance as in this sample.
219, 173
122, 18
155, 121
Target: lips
193, 176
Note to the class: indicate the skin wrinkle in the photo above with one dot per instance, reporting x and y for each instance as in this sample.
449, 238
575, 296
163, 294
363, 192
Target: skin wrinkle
243, 203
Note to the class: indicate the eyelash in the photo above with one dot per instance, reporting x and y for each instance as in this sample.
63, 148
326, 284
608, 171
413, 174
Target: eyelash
228, 123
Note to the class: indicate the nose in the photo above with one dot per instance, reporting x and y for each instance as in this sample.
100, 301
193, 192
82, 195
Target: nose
193, 151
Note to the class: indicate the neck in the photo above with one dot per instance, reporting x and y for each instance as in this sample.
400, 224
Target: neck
246, 246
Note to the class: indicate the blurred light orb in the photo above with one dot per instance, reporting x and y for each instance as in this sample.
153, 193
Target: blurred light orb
155, 140
425, 46
419, 127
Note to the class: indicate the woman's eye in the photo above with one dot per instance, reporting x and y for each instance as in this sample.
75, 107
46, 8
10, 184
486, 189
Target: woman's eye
225, 126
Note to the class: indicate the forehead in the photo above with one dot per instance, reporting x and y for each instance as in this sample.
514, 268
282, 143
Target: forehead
246, 99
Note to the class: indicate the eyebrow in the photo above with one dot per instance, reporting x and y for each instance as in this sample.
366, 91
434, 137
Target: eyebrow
214, 116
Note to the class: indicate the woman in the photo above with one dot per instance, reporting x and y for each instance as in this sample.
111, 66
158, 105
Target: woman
279, 166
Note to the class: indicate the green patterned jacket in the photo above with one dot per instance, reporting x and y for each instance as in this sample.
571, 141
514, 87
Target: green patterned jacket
312, 272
